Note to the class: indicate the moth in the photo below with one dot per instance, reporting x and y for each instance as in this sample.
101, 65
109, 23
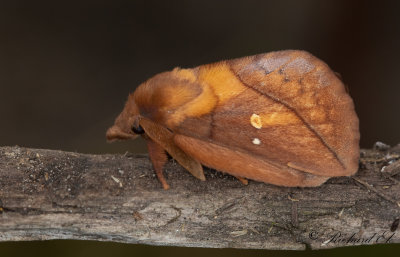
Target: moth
283, 118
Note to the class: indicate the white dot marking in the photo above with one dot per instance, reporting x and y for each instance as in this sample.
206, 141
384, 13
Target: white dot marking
256, 141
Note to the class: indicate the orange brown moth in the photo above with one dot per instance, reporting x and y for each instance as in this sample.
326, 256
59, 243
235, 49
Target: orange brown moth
282, 118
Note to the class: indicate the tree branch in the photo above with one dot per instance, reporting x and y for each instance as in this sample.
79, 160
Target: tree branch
47, 194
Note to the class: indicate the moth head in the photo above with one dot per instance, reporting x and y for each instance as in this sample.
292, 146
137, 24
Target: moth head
126, 125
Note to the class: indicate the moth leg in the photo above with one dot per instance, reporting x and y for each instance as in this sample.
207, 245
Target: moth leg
242, 179
158, 159
164, 138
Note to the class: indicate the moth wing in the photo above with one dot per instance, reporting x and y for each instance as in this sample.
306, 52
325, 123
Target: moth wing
283, 139
293, 113
314, 93
242, 164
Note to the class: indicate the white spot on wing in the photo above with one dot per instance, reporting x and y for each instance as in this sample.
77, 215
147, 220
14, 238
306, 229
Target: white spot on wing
256, 141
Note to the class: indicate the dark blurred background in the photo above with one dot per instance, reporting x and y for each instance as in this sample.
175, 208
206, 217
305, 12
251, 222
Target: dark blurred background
66, 67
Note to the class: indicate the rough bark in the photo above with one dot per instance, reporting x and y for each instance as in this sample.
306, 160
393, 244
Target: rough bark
47, 194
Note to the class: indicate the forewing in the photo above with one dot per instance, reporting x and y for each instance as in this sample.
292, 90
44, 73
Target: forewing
308, 89
294, 111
